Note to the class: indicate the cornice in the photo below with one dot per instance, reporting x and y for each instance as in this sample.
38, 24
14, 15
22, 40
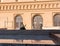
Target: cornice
29, 6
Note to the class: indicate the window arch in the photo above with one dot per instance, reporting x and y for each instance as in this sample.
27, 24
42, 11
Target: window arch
37, 22
18, 21
0, 0
16, 0
56, 20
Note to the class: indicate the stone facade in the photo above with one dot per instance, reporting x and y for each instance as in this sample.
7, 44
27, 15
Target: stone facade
27, 10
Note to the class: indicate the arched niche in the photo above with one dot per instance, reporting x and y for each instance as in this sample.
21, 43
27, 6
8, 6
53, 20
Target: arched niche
37, 22
56, 20
18, 21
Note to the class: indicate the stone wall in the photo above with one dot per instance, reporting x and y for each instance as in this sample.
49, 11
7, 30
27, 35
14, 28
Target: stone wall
46, 9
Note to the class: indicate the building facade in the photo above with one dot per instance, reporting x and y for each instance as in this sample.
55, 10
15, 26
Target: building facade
35, 14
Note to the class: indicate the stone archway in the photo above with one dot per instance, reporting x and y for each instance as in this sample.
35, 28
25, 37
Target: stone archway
18, 21
37, 22
56, 20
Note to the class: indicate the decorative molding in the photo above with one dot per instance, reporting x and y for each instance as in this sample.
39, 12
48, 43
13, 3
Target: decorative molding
33, 14
54, 13
28, 6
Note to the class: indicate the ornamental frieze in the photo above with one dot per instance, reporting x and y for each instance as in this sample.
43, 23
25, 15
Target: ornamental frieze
29, 6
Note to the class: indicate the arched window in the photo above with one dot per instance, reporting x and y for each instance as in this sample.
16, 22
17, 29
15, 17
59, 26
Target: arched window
18, 21
37, 22
57, 20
